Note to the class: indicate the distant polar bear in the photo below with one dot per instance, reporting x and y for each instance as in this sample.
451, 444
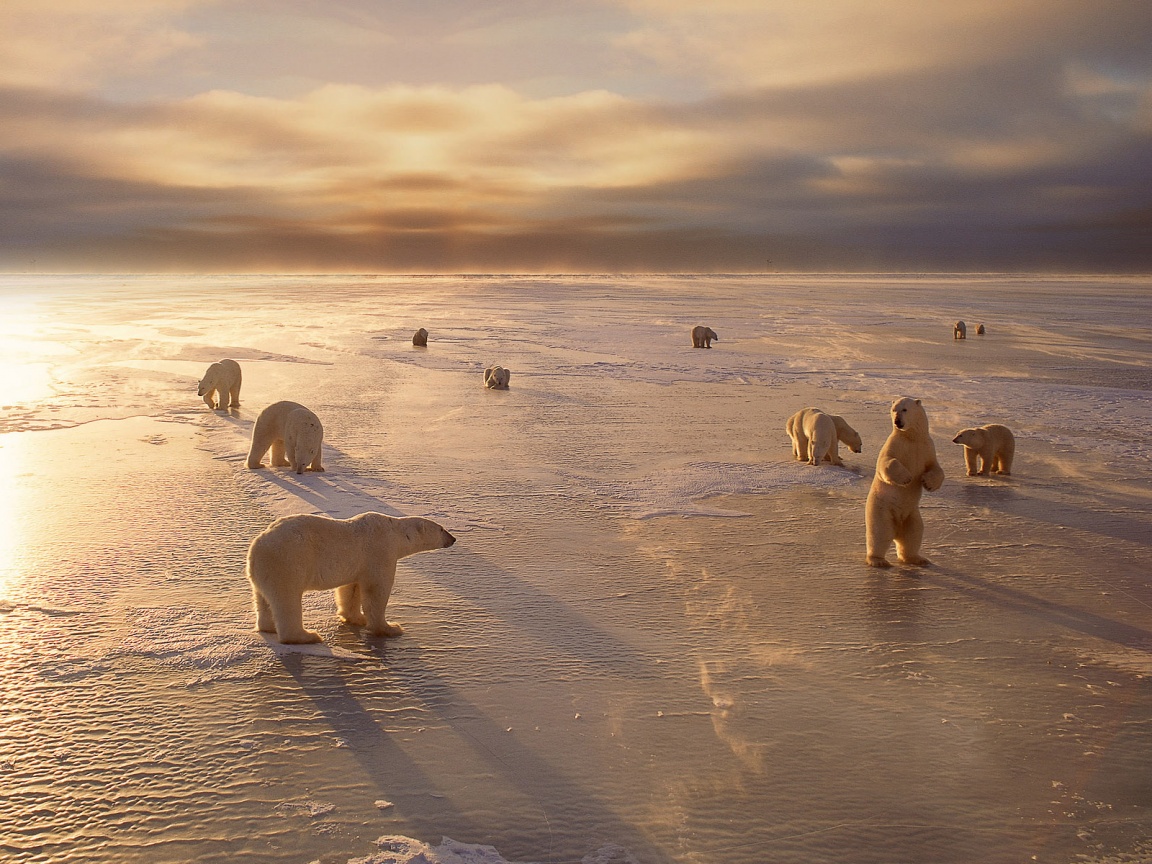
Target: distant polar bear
420, 338
293, 432
816, 436
220, 385
496, 378
356, 556
905, 467
960, 330
702, 336
991, 445
980, 331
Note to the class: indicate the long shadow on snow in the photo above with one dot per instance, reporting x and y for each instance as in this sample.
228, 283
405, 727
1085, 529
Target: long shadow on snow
1046, 610
385, 762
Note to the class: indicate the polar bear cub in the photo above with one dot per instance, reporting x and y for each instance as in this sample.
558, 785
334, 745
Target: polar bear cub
702, 336
293, 432
816, 436
356, 556
960, 330
496, 378
987, 447
220, 385
420, 338
905, 467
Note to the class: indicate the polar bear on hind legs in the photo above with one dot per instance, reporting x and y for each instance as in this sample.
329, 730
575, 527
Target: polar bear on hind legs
906, 466
220, 386
294, 434
816, 436
356, 556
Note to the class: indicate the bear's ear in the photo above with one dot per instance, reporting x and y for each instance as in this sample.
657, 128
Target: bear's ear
917, 401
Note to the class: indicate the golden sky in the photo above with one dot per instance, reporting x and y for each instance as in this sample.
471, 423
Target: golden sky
538, 135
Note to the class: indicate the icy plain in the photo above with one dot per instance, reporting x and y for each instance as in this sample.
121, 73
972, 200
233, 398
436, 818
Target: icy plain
655, 640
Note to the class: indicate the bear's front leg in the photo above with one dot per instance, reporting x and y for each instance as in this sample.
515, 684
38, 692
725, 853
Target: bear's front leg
374, 593
970, 461
277, 458
933, 477
895, 472
348, 605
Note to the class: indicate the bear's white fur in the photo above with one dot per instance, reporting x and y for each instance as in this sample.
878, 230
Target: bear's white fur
905, 467
702, 336
816, 436
496, 378
960, 330
293, 432
420, 338
356, 556
992, 445
220, 385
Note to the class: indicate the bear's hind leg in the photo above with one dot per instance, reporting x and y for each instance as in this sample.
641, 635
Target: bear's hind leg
233, 397
908, 540
289, 615
265, 623
879, 530
348, 605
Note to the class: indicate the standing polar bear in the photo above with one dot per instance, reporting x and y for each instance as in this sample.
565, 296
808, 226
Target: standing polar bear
960, 330
816, 436
991, 445
220, 385
496, 378
905, 467
293, 432
702, 336
355, 556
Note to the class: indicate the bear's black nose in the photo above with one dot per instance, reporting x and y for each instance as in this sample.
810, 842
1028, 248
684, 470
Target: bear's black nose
451, 540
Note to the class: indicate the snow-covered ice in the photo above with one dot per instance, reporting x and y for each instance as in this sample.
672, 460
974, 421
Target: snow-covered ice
655, 639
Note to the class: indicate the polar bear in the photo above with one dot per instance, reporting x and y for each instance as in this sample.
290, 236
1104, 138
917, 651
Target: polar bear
702, 336
496, 378
355, 556
220, 385
420, 338
960, 330
980, 331
816, 436
993, 446
905, 467
293, 432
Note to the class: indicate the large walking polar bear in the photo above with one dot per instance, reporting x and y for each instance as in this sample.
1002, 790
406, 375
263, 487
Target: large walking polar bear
355, 556
293, 432
816, 436
220, 386
905, 467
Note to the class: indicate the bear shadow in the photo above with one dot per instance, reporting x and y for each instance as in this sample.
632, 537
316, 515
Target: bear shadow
1049, 611
385, 763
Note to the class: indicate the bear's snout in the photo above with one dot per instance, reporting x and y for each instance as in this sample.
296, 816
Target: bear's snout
449, 540
956, 440
898, 422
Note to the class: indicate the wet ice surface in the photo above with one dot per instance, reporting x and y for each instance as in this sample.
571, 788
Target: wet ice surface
655, 639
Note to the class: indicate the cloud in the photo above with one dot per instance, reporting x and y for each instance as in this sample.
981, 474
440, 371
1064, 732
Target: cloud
857, 132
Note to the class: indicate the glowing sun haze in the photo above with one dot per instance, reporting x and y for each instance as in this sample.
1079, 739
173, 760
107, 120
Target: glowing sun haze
298, 135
